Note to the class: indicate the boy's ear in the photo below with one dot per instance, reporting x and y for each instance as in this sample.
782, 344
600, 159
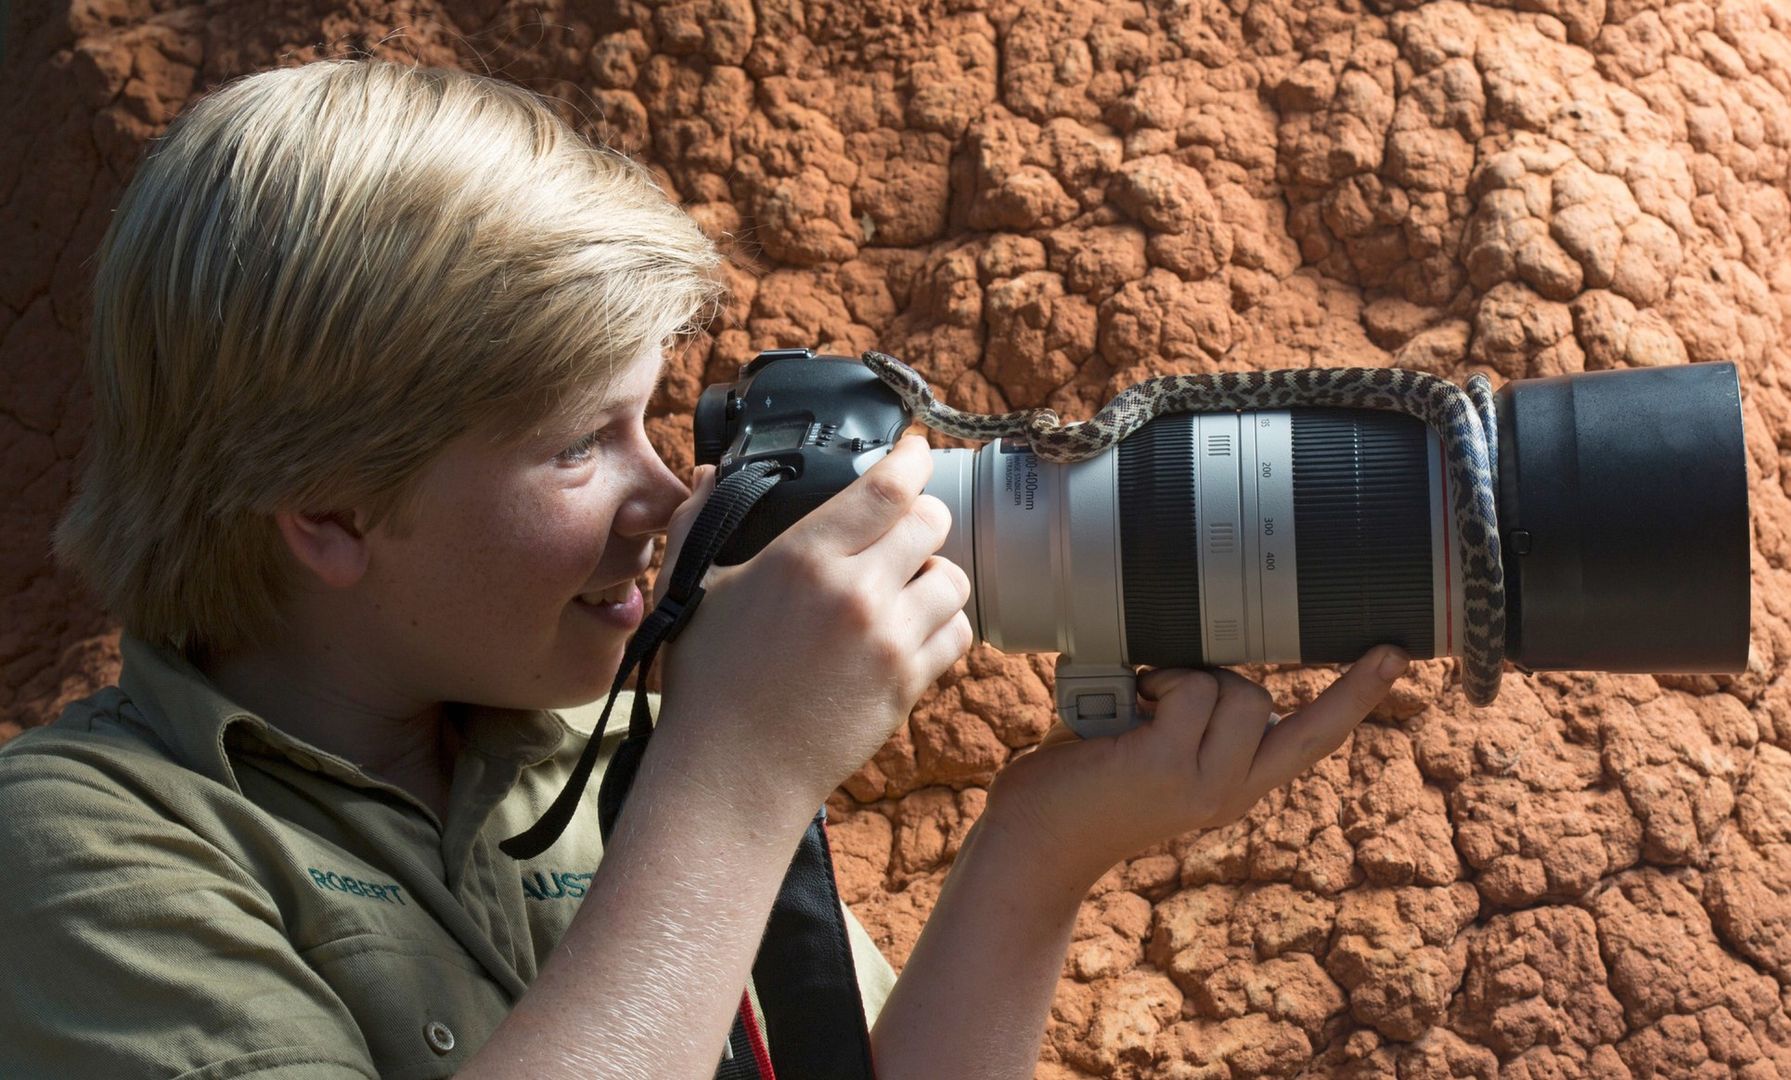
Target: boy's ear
330, 545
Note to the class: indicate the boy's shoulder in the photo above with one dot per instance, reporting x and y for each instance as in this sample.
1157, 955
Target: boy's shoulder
102, 737
99, 780
105, 740
160, 737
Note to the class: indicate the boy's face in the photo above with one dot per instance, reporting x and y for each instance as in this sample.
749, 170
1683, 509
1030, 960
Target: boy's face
488, 598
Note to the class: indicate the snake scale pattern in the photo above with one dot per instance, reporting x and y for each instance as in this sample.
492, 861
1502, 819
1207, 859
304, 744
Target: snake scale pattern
1465, 419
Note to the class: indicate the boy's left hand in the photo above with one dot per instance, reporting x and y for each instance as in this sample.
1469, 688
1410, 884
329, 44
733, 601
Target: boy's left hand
1204, 756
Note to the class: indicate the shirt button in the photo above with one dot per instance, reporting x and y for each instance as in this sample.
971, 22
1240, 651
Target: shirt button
439, 1036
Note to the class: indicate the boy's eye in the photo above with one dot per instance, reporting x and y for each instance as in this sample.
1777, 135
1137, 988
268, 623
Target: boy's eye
581, 449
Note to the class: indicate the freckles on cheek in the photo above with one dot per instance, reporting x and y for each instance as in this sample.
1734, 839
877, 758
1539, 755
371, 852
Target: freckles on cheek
563, 541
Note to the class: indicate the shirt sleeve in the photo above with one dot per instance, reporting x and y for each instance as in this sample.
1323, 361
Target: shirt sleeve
875, 977
136, 948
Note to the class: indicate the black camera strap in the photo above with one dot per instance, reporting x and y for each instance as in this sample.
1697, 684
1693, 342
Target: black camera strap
808, 1019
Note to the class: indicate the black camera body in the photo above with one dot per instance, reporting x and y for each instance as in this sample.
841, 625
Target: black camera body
825, 418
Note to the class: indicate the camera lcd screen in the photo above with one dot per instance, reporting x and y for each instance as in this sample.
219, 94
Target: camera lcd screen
771, 440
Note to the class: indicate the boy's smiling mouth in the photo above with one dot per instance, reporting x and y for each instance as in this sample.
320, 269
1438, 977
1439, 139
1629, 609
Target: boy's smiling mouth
615, 594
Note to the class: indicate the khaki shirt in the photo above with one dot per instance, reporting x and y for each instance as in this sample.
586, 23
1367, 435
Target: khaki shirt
187, 891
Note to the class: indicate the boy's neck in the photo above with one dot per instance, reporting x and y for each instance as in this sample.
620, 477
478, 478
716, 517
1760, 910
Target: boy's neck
328, 701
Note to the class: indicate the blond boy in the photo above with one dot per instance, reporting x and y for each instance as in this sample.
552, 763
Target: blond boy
368, 490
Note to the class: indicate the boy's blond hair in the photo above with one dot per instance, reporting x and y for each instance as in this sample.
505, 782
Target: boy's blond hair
319, 276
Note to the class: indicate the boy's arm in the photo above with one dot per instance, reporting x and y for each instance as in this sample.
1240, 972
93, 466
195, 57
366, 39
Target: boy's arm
648, 975
973, 998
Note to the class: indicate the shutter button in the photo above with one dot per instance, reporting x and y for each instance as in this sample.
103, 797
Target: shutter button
439, 1036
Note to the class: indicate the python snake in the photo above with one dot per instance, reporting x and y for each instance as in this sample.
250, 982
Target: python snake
1464, 418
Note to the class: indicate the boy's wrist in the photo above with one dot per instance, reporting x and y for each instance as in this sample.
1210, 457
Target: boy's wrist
694, 757
1028, 850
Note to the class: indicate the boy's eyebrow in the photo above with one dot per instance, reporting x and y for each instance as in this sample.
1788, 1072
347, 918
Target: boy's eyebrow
610, 402
579, 421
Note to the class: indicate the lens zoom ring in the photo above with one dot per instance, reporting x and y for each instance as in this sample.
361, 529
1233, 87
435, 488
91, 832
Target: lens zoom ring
1158, 543
1361, 484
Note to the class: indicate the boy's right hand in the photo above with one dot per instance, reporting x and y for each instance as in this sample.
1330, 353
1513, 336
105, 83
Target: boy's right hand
801, 661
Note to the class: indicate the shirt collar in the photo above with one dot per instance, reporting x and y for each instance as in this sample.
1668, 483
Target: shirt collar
199, 724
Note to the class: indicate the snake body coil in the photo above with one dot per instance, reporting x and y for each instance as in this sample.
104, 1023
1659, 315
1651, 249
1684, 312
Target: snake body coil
1464, 418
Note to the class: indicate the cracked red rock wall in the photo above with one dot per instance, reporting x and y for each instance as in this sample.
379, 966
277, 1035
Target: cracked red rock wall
1040, 203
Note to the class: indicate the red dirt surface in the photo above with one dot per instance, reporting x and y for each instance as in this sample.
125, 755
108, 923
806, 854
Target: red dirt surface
1041, 203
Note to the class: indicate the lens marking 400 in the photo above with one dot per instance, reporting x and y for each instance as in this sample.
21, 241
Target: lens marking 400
1020, 480
1277, 569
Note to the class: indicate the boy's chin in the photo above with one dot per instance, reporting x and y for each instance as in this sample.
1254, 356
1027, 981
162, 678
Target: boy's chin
565, 680
586, 681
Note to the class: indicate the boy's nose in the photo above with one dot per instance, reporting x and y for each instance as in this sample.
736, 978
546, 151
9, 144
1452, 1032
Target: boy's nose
660, 493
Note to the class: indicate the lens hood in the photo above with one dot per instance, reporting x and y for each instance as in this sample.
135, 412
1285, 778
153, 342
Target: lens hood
1623, 515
